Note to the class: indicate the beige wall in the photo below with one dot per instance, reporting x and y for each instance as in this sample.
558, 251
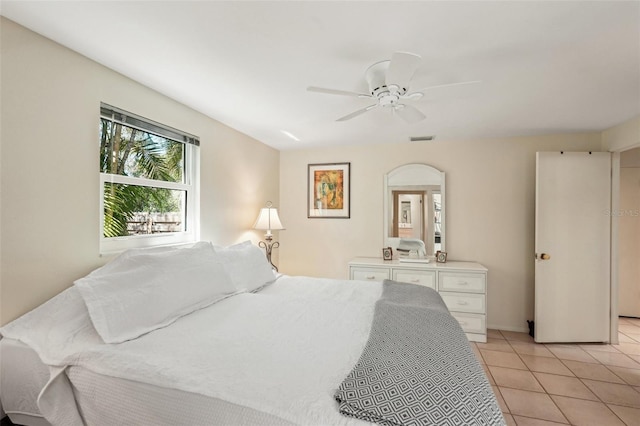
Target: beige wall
623, 136
49, 216
490, 200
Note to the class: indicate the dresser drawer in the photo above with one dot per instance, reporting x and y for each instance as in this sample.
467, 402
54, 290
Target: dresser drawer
461, 281
464, 302
471, 323
369, 274
425, 278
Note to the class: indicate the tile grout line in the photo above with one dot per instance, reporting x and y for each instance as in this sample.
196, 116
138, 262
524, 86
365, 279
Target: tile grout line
618, 376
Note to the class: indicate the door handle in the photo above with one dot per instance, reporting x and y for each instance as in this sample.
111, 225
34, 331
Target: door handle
543, 256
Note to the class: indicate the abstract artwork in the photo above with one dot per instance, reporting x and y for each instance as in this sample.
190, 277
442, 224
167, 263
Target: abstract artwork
328, 188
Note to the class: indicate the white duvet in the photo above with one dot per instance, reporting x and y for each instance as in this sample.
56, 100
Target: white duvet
282, 351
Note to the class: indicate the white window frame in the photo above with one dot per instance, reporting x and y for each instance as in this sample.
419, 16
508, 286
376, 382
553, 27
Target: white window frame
191, 186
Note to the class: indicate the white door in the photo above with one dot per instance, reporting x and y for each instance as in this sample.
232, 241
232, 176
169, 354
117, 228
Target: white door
572, 244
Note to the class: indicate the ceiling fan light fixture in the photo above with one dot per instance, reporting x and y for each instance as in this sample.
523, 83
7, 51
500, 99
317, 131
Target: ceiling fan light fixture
388, 99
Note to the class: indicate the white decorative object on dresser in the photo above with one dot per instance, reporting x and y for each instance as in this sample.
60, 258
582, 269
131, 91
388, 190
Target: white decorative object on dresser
462, 285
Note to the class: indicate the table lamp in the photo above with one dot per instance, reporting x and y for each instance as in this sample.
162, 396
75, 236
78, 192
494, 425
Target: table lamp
268, 220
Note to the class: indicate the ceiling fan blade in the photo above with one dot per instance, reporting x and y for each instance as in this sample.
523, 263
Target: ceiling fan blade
448, 85
356, 113
337, 92
409, 113
401, 69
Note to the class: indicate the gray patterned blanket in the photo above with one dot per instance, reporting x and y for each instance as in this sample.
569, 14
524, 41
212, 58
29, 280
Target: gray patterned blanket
417, 367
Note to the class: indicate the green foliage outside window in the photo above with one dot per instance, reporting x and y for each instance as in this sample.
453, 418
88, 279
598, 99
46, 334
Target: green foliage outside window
135, 153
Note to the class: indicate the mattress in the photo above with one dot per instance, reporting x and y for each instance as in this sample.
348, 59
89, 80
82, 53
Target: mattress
109, 401
137, 403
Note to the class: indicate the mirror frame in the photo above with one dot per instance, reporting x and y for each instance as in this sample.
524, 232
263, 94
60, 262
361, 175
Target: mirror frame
408, 177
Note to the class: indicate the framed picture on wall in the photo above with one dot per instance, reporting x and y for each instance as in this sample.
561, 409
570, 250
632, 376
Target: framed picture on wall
329, 191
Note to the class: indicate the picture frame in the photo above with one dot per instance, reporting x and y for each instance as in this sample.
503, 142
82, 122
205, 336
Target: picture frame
387, 253
329, 191
441, 257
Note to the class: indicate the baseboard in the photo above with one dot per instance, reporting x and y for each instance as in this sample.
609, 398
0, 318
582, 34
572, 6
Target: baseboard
508, 328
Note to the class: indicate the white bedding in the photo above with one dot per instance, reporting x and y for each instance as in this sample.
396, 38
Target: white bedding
23, 377
141, 404
281, 351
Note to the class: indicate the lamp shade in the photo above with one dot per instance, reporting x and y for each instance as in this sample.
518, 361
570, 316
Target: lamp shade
268, 219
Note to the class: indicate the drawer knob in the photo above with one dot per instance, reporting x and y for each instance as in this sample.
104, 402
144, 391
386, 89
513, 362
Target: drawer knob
462, 303
371, 277
463, 283
415, 280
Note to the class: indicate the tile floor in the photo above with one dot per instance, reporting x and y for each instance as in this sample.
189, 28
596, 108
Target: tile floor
554, 384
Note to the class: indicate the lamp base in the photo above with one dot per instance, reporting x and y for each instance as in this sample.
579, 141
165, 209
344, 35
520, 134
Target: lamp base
268, 246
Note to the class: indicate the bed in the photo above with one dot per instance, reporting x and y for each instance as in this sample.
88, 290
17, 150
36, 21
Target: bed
211, 335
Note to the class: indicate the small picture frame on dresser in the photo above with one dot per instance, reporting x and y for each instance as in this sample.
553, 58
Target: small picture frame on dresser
441, 256
387, 253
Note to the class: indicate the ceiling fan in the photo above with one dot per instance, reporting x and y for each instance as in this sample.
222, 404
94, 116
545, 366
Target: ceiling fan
389, 83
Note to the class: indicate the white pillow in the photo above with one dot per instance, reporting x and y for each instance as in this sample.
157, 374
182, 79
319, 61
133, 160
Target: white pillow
116, 262
247, 265
138, 293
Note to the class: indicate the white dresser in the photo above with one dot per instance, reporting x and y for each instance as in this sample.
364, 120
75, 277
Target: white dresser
462, 285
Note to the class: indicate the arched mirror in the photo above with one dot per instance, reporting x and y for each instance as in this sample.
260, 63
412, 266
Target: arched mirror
414, 206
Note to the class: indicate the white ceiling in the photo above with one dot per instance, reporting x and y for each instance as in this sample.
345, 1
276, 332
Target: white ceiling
545, 67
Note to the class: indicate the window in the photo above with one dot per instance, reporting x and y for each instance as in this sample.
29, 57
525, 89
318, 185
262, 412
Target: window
148, 182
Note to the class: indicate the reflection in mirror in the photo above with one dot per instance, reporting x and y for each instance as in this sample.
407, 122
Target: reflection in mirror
437, 221
414, 206
420, 204
408, 214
